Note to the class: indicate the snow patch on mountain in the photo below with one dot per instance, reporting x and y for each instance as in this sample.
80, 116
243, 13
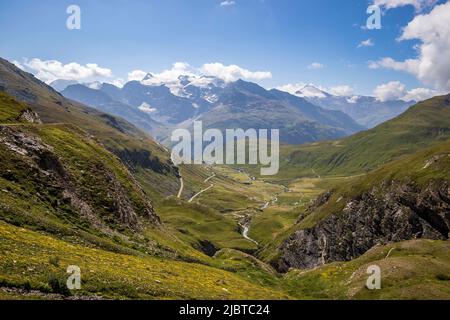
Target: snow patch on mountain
310, 91
353, 99
96, 85
145, 107
185, 86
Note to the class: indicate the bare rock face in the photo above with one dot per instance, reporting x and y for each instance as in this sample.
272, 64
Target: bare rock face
394, 212
30, 116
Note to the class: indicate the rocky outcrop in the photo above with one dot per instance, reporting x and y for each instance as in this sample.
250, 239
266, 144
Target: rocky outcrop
207, 247
30, 116
392, 212
144, 159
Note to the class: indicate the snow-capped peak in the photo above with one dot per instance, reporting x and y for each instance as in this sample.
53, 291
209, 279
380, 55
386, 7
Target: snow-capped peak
182, 85
145, 107
207, 81
353, 99
310, 91
148, 76
96, 85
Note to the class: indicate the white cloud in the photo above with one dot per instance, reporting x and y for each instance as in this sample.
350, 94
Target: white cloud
136, 75
233, 72
419, 94
94, 85
171, 77
316, 65
343, 90
227, 3
178, 69
366, 43
408, 65
418, 4
395, 90
50, 70
432, 65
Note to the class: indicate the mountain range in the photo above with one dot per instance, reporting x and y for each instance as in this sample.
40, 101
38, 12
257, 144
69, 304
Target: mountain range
422, 125
308, 115
218, 104
366, 111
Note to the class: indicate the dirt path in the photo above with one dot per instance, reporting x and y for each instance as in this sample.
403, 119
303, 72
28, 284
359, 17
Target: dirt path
199, 193
267, 204
209, 178
180, 191
204, 190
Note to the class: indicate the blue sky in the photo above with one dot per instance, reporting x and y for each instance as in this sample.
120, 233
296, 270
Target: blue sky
280, 36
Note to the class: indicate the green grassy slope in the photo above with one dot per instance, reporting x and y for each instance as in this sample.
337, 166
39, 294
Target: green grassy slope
422, 125
416, 269
33, 261
215, 215
196, 223
71, 188
11, 109
135, 148
424, 166
280, 216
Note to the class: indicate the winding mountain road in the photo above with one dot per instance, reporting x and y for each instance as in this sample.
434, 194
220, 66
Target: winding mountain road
204, 190
273, 201
209, 178
199, 193
180, 191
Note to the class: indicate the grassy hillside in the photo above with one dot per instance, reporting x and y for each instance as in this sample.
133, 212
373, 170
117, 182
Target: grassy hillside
432, 164
37, 262
135, 148
420, 168
11, 109
54, 178
417, 269
422, 125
